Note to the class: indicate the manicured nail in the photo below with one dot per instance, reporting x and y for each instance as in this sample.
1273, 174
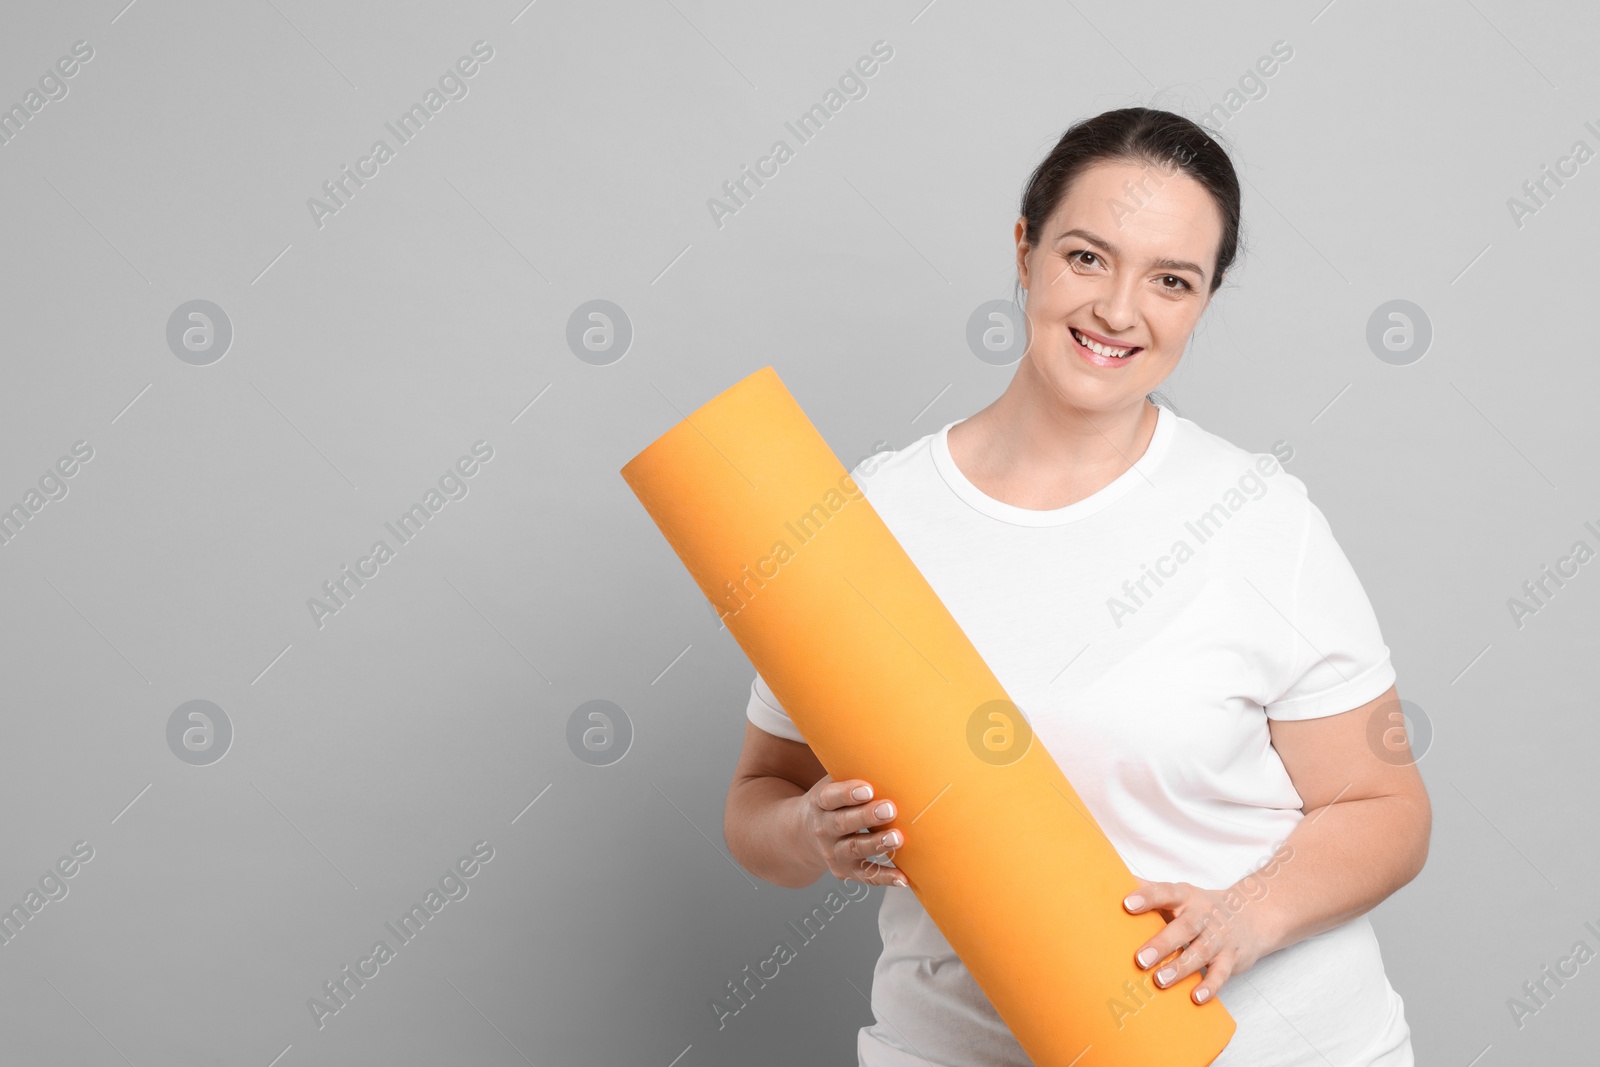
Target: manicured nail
1165, 976
1134, 903
884, 810
862, 792
892, 839
901, 882
1202, 995
1147, 957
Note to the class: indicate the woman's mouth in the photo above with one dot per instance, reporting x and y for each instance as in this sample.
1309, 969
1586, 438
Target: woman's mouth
1099, 354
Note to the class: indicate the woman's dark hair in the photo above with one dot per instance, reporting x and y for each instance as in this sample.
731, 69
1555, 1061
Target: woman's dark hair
1137, 135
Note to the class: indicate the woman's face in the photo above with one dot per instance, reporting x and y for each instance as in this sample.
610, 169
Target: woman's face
1126, 261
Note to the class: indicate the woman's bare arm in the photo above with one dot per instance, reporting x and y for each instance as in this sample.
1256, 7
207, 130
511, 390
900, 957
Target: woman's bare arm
761, 820
788, 822
1367, 824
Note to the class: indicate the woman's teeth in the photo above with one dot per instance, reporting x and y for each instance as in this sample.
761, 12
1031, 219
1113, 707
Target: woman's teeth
1099, 349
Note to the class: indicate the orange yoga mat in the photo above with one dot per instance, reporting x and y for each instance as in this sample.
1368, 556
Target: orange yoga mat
885, 686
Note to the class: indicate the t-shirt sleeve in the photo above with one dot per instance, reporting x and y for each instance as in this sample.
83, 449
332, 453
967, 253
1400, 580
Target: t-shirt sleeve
1336, 654
765, 711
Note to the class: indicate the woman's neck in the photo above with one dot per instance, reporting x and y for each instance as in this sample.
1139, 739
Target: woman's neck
1042, 452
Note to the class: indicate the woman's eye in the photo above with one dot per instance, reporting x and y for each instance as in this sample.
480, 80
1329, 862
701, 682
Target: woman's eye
1090, 259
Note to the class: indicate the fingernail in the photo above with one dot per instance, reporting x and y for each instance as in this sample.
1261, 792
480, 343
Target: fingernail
1202, 995
901, 882
891, 839
1147, 957
862, 792
1165, 975
1134, 903
884, 810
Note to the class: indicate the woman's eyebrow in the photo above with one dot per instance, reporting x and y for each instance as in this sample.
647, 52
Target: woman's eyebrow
1165, 264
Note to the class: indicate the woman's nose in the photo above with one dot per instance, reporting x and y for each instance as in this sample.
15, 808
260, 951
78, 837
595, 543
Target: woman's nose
1116, 312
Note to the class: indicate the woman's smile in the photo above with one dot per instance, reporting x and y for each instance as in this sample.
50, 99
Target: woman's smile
1098, 350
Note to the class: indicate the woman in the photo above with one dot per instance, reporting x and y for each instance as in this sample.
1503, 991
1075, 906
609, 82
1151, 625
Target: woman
1176, 621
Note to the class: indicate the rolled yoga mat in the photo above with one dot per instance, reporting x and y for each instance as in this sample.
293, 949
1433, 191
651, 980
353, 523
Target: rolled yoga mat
884, 685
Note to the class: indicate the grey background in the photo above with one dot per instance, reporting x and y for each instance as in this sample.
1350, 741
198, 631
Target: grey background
431, 312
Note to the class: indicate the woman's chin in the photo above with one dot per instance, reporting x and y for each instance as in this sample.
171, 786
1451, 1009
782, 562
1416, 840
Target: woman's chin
1085, 390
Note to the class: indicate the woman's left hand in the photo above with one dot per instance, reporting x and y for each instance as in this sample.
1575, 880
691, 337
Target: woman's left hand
1218, 929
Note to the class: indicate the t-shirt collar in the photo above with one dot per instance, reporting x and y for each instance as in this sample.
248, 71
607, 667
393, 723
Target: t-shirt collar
1166, 421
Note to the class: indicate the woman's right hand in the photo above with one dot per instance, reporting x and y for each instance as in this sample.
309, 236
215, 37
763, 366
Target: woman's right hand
833, 814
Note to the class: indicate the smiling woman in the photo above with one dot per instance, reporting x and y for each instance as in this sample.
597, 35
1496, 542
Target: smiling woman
1225, 721
1150, 272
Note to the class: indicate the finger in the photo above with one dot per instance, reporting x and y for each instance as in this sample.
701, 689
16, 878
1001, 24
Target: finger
1154, 895
1172, 937
1163, 898
874, 813
836, 795
857, 848
1208, 926
857, 818
1184, 964
876, 873
875, 843
1156, 951
1217, 973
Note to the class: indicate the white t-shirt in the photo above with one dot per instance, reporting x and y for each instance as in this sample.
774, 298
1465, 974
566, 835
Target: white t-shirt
1147, 632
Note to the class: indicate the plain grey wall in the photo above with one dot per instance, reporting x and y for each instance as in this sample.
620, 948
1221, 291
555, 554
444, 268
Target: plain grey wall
373, 347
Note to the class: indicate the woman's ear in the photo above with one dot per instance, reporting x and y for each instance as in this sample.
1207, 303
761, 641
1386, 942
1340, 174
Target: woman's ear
1019, 234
